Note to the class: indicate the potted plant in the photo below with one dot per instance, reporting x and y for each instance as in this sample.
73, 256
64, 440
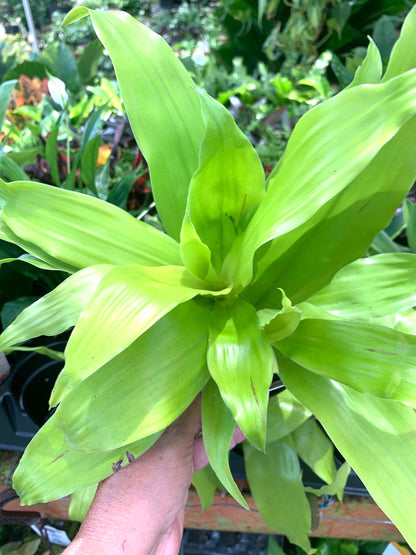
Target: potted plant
250, 280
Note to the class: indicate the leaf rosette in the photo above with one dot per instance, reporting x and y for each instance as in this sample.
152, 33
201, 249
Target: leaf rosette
251, 279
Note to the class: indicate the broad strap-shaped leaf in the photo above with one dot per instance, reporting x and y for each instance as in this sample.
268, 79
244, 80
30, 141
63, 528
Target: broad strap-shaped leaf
325, 153
240, 360
80, 502
218, 426
371, 287
370, 71
79, 230
275, 480
285, 413
128, 301
304, 260
205, 482
369, 358
403, 55
56, 311
142, 390
376, 436
51, 469
315, 449
162, 105
196, 256
6, 90
278, 324
337, 486
30, 259
228, 186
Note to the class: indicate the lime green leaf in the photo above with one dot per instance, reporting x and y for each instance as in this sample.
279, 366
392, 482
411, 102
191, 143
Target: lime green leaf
50, 468
278, 324
218, 427
403, 55
205, 482
89, 163
285, 413
371, 359
51, 353
241, 362
341, 231
80, 502
371, 287
275, 480
376, 436
371, 69
156, 89
6, 90
128, 301
409, 213
228, 186
37, 216
195, 254
51, 152
330, 138
58, 310
315, 449
337, 486
143, 389
30, 259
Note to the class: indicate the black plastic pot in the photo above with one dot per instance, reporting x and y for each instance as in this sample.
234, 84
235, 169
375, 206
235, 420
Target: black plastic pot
24, 396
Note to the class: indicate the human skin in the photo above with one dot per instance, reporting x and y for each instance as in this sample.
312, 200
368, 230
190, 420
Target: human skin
139, 510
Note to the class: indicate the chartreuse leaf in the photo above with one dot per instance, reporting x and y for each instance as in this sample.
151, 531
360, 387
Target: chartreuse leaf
205, 482
275, 480
79, 230
376, 436
337, 486
315, 449
218, 427
143, 389
80, 502
371, 69
409, 213
371, 359
285, 413
29, 259
162, 105
125, 304
340, 231
196, 256
278, 324
241, 362
58, 310
51, 353
330, 137
50, 468
403, 55
228, 186
6, 90
371, 287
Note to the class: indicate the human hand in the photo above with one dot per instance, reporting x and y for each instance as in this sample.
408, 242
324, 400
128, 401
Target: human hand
140, 509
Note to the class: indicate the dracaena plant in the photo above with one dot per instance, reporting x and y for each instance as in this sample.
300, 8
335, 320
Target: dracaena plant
250, 280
